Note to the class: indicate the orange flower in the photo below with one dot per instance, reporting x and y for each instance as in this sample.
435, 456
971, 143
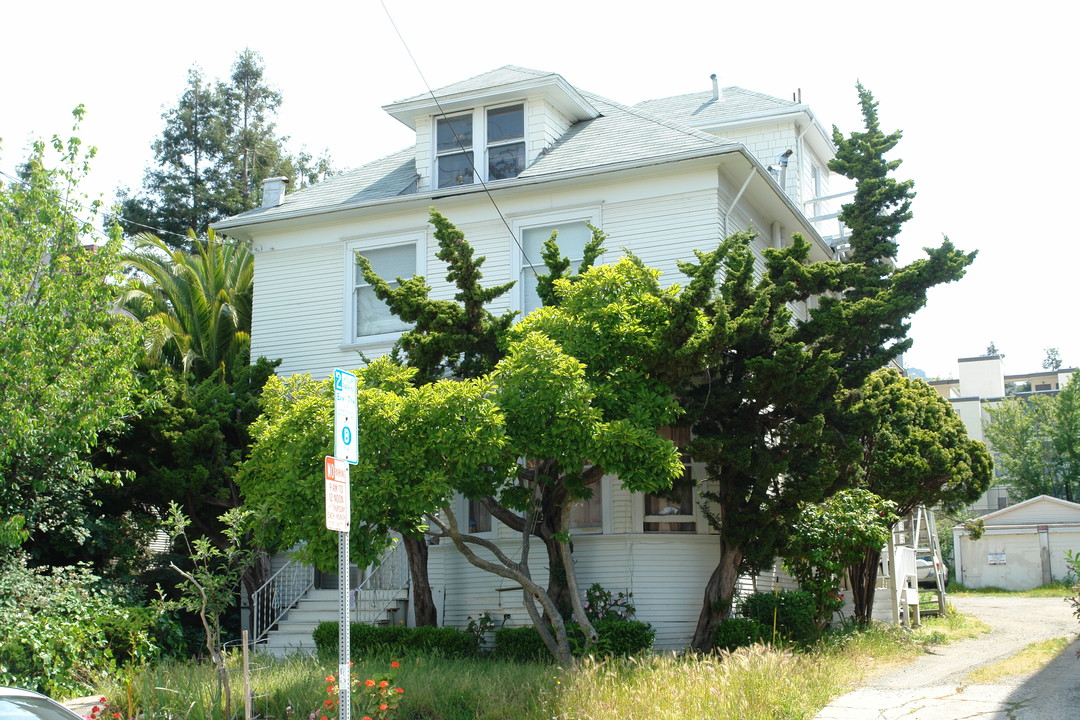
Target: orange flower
399, 690
383, 707
329, 678
395, 664
369, 682
328, 703
383, 683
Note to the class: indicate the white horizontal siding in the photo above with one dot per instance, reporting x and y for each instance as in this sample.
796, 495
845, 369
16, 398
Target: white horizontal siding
1040, 512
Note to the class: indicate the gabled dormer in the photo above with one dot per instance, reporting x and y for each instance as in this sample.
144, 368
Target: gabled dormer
489, 127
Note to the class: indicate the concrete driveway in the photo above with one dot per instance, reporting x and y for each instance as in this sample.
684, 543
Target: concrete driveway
933, 687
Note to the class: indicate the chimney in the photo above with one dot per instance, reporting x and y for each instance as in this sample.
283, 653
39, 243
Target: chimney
274, 191
715, 87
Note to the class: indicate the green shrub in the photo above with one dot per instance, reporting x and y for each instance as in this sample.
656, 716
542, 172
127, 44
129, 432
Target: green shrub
739, 632
614, 638
793, 609
62, 626
624, 637
374, 640
519, 644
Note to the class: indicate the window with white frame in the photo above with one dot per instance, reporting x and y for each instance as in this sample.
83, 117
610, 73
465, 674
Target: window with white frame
673, 510
499, 132
586, 516
479, 517
572, 238
370, 316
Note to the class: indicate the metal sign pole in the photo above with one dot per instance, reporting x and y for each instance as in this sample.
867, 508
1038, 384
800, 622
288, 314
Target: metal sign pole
338, 514
344, 684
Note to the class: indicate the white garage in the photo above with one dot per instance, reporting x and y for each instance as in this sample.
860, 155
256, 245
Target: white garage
1022, 547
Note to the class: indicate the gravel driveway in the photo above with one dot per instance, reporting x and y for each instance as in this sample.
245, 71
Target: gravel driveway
933, 687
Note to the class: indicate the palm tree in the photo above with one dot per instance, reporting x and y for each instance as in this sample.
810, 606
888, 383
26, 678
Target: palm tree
197, 304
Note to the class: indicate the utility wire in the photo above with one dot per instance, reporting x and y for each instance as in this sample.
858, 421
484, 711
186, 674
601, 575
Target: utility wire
468, 156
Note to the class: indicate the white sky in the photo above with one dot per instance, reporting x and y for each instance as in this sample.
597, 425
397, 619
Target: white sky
984, 92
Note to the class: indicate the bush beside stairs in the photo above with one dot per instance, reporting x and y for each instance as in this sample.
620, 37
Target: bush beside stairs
293, 632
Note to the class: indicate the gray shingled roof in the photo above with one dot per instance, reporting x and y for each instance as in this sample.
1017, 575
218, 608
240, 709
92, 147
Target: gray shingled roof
621, 136
700, 107
506, 75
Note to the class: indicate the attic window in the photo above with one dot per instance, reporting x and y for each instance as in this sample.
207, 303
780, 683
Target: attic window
499, 130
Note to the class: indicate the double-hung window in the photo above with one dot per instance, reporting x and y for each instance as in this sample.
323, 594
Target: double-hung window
497, 132
673, 510
572, 238
369, 317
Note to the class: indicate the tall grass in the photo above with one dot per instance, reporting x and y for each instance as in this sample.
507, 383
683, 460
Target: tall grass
757, 682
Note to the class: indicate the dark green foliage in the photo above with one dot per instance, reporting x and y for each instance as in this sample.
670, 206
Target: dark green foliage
615, 638
367, 641
218, 144
736, 632
770, 406
793, 611
624, 637
458, 337
882, 204
519, 644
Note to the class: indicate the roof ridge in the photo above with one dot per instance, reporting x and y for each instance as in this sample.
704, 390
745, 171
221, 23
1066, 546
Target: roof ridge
660, 120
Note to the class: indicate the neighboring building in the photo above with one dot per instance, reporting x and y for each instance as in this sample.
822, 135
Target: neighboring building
1023, 546
982, 381
663, 179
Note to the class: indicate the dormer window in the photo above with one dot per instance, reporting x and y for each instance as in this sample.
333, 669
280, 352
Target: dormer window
500, 131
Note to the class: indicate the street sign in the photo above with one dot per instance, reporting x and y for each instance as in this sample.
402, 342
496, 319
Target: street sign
345, 411
337, 494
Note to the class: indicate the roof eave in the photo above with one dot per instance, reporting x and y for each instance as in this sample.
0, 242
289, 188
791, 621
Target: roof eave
560, 93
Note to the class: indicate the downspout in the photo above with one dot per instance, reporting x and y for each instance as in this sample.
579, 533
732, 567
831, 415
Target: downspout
738, 196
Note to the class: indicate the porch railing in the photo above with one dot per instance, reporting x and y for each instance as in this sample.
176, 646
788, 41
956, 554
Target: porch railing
277, 595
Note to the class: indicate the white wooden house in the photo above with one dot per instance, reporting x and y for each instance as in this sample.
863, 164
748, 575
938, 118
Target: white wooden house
509, 156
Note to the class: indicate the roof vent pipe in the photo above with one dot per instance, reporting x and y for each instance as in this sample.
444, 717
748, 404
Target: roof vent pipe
783, 159
274, 191
715, 87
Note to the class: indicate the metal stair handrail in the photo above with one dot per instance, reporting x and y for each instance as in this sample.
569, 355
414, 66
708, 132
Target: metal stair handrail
278, 595
390, 573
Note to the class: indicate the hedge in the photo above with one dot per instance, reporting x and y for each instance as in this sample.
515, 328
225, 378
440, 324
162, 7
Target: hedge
375, 640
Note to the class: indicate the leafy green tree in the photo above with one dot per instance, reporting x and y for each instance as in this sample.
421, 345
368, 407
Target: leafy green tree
196, 307
556, 425
461, 338
1036, 440
770, 406
66, 359
915, 451
218, 145
829, 536
1052, 361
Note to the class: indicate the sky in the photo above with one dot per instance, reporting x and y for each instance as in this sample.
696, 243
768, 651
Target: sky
983, 97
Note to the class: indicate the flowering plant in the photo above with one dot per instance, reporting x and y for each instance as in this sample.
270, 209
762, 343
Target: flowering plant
375, 698
480, 627
601, 604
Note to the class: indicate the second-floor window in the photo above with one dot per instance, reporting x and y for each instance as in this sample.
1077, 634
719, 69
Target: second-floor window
497, 134
370, 316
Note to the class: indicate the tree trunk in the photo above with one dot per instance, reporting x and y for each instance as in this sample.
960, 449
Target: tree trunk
424, 612
719, 594
863, 577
